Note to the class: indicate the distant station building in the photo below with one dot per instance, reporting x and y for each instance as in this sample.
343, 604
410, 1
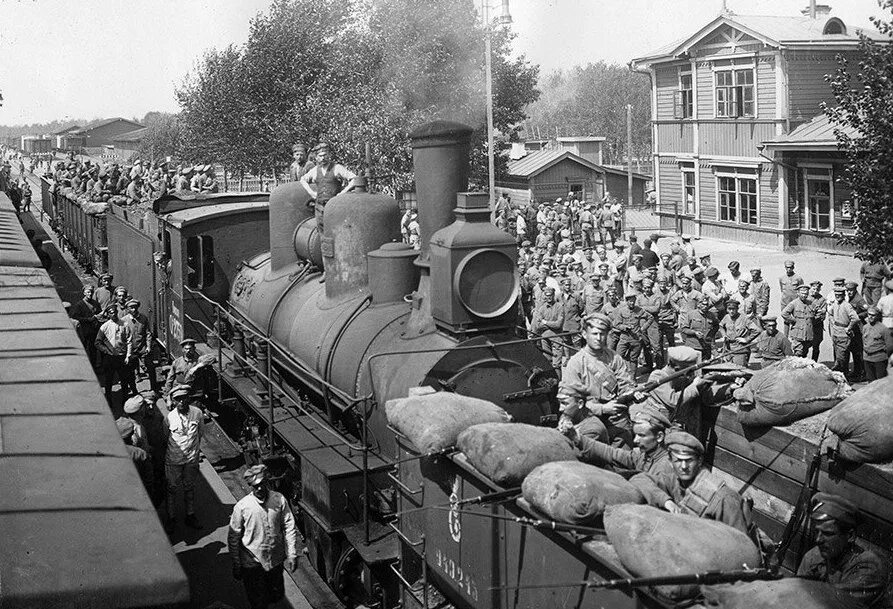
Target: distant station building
741, 150
127, 144
97, 135
571, 165
62, 136
36, 144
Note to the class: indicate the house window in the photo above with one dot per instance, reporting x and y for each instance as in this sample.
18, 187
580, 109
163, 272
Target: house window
735, 93
684, 106
737, 199
819, 196
688, 185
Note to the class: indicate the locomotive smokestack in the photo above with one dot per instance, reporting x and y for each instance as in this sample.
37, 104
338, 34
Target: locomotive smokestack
440, 152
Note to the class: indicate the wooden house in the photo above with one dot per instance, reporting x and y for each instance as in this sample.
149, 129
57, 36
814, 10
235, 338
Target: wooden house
726, 103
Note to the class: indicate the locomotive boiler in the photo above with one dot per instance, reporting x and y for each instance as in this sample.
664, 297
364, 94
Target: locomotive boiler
354, 316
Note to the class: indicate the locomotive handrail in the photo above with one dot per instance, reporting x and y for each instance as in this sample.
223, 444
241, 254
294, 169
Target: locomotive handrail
233, 356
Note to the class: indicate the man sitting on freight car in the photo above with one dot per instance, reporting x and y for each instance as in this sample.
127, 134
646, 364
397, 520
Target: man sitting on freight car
838, 559
689, 488
649, 455
594, 376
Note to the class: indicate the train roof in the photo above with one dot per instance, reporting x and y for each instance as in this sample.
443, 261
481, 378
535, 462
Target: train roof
78, 526
191, 215
177, 200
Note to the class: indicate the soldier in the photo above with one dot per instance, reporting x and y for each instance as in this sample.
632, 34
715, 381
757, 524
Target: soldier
873, 275
651, 303
737, 331
877, 344
612, 304
837, 559
180, 367
687, 246
707, 265
606, 224
747, 304
714, 293
330, 178
770, 344
573, 311
698, 329
141, 342
789, 283
649, 455
593, 296
820, 307
685, 299
666, 318
799, 316
885, 304
760, 290
632, 322
664, 271
690, 488
594, 376
683, 398
650, 259
89, 316
113, 342
843, 322
548, 319
105, 292
861, 307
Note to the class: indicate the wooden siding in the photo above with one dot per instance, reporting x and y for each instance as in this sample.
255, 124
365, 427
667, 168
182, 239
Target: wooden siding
667, 79
734, 138
766, 86
670, 186
707, 193
676, 137
705, 90
556, 181
769, 196
822, 242
738, 233
807, 86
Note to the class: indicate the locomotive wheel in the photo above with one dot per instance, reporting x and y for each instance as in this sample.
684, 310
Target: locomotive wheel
348, 581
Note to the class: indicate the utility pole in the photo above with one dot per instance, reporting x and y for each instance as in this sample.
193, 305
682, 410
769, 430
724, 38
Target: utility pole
629, 154
504, 18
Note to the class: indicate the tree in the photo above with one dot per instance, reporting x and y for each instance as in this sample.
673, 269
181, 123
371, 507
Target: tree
351, 72
592, 100
865, 134
163, 136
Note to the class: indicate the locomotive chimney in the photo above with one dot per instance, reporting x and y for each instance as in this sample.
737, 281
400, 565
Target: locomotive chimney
440, 151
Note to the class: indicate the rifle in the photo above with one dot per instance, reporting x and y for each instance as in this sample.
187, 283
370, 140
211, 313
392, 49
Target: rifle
705, 578
630, 396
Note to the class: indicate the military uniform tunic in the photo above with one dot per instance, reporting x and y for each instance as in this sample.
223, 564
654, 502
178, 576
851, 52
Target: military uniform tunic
799, 316
635, 460
860, 573
760, 291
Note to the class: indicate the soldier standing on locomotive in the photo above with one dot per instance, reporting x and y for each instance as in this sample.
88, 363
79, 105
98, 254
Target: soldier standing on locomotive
330, 178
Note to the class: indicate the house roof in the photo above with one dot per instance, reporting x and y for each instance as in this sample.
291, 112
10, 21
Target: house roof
106, 121
537, 162
772, 30
132, 136
817, 134
582, 138
68, 130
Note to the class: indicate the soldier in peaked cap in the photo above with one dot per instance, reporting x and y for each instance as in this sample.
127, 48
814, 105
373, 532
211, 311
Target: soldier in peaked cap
181, 365
838, 559
594, 376
820, 308
689, 488
649, 455
105, 291
772, 345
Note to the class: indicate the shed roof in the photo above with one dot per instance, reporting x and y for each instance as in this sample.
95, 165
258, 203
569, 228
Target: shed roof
537, 162
132, 136
816, 134
104, 122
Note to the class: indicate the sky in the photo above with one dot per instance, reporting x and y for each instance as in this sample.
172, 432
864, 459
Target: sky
104, 58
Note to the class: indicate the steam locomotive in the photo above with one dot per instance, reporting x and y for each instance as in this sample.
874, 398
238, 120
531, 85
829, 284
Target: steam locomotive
315, 334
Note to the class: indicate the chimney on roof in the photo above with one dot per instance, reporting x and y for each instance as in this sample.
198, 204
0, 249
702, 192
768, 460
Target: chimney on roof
814, 11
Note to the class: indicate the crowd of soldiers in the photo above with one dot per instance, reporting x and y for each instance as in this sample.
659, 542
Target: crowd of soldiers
573, 266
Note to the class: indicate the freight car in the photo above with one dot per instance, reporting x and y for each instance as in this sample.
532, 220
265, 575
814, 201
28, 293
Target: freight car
72, 504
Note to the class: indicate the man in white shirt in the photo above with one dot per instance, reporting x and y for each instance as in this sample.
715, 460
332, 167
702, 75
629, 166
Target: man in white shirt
185, 425
262, 537
885, 304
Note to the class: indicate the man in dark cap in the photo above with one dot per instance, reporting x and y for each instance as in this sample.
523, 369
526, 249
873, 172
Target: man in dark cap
650, 259
142, 342
771, 345
788, 283
843, 322
690, 488
799, 315
88, 313
682, 399
649, 455
632, 322
176, 375
731, 278
105, 291
760, 290
837, 559
113, 343
873, 275
698, 328
861, 307
820, 308
594, 376
262, 539
737, 331
877, 344
548, 320
329, 179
